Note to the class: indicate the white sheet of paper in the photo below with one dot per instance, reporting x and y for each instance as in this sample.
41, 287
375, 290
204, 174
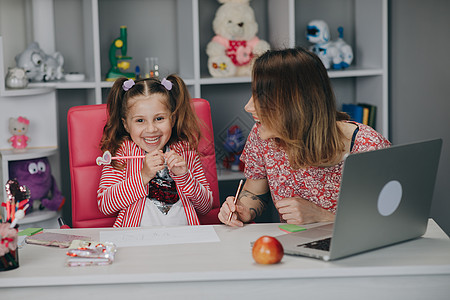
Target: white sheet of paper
161, 236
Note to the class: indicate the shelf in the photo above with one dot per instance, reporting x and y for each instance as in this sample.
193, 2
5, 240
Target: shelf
38, 216
227, 80
26, 92
106, 84
347, 73
354, 72
225, 174
62, 84
10, 155
36, 88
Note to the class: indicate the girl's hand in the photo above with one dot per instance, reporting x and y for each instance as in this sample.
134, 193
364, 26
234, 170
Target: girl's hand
240, 215
153, 162
175, 163
299, 211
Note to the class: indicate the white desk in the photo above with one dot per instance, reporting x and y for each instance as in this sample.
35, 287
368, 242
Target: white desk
418, 269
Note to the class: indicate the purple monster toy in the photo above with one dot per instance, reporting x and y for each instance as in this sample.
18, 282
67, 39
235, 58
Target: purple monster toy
36, 175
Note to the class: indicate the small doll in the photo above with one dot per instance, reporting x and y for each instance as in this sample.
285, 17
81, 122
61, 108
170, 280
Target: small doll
18, 128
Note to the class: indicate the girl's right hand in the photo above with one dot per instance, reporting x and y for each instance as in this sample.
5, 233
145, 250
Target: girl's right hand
153, 162
240, 215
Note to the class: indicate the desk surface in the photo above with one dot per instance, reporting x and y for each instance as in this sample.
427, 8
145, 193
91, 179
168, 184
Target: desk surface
230, 261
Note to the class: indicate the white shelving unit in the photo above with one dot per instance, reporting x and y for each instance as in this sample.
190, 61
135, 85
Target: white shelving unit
38, 104
177, 31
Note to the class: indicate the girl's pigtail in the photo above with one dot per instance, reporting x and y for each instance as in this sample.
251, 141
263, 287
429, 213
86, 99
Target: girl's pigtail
113, 132
185, 120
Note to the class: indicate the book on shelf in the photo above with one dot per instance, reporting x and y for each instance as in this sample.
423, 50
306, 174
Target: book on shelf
372, 114
361, 112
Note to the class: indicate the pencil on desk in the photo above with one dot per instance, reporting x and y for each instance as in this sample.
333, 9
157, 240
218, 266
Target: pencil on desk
235, 199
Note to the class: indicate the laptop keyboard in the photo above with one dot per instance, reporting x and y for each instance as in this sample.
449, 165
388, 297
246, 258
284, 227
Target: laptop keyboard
319, 245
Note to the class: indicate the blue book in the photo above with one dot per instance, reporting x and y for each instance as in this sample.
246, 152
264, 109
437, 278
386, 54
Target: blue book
354, 111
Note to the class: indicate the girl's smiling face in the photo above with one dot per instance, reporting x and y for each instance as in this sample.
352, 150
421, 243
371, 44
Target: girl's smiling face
148, 122
264, 132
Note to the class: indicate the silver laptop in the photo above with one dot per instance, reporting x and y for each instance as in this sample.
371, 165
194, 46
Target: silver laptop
385, 198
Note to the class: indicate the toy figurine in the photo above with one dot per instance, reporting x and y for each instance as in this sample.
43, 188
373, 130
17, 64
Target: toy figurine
19, 128
16, 78
119, 43
338, 54
36, 175
234, 144
40, 66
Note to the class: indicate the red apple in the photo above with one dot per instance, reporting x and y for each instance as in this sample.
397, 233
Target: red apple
267, 250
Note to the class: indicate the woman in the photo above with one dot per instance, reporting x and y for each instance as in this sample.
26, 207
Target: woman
297, 147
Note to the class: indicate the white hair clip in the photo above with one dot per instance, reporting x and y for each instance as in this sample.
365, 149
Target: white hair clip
128, 84
167, 84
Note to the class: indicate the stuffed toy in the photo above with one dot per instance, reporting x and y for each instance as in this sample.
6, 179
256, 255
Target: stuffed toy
36, 175
18, 127
40, 66
232, 50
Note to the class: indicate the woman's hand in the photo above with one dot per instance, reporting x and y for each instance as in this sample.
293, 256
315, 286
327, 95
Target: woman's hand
153, 162
299, 211
241, 214
175, 163
248, 206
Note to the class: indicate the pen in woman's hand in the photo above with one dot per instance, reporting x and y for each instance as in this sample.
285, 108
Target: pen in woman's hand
235, 199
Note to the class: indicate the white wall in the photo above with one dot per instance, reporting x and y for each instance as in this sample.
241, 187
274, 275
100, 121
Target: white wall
13, 29
420, 83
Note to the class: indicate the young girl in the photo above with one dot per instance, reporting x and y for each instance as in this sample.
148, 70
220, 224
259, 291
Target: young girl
154, 119
297, 146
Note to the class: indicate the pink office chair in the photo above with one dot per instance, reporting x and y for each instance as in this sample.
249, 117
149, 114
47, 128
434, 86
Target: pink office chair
85, 126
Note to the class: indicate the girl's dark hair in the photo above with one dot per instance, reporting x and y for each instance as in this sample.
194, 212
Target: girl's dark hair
293, 96
185, 121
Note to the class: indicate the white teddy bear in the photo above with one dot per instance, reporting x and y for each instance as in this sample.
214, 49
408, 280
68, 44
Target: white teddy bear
232, 50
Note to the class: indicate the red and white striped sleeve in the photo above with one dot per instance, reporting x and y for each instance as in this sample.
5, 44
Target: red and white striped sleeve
193, 184
119, 189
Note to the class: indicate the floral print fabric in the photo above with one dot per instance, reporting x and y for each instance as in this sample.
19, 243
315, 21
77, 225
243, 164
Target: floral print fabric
320, 185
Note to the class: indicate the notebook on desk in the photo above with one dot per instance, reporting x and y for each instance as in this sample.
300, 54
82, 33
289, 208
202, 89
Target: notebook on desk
385, 198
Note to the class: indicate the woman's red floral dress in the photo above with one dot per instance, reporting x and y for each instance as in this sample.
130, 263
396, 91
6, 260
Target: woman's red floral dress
320, 185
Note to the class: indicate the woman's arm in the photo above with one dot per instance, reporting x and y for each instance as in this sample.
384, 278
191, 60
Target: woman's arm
296, 210
248, 206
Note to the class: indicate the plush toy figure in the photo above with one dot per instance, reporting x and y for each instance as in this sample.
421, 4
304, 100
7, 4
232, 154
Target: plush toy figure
36, 175
19, 128
232, 50
234, 144
40, 66
333, 54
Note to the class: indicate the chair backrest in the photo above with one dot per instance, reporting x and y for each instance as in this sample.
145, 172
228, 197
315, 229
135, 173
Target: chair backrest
85, 126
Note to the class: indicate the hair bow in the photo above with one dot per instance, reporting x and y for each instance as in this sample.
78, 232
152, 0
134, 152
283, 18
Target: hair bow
23, 120
167, 84
128, 84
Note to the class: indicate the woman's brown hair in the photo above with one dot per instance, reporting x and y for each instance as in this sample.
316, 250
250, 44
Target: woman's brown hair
185, 122
293, 97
